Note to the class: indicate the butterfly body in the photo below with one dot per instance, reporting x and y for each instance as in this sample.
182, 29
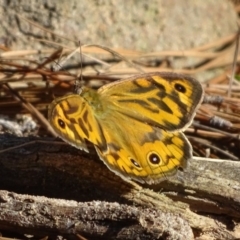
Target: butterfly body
135, 124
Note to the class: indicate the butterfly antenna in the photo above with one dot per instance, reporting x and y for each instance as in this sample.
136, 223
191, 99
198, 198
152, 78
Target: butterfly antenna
79, 81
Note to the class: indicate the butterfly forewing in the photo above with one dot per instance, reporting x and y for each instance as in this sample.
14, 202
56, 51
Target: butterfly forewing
166, 100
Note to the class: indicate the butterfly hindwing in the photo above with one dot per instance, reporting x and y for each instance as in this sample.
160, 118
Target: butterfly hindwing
73, 120
144, 153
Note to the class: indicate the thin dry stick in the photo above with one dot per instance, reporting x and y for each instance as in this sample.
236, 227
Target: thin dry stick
208, 145
234, 64
118, 55
197, 125
218, 43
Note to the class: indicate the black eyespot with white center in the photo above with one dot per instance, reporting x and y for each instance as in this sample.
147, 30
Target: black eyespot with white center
154, 158
180, 88
135, 163
61, 123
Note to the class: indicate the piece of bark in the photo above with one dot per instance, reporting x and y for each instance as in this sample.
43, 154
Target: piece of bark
91, 219
206, 194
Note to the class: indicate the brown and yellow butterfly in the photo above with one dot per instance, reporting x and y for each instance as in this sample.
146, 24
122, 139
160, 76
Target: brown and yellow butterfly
135, 124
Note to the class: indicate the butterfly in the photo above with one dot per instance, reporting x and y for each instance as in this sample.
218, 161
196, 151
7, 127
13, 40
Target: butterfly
135, 124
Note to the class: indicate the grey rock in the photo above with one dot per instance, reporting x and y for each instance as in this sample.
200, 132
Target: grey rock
140, 25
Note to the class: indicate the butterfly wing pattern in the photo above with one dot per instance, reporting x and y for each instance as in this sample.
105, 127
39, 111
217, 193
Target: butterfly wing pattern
135, 124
